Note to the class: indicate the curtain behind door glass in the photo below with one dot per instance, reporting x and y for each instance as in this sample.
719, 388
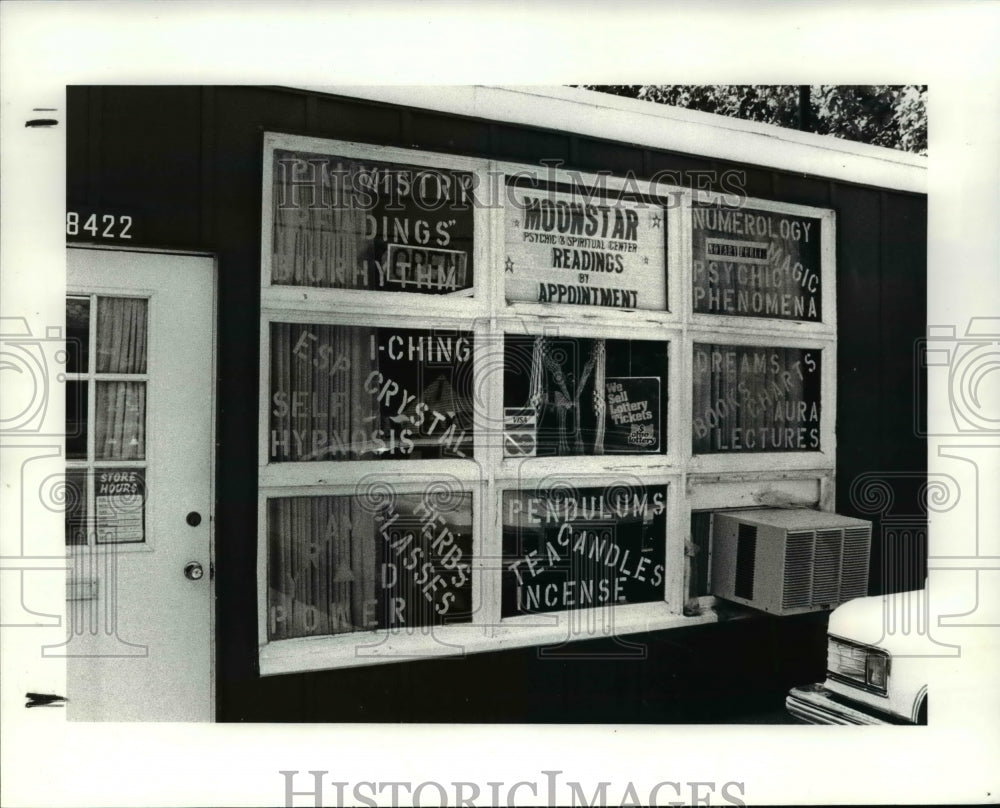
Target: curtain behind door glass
120, 406
121, 335
120, 414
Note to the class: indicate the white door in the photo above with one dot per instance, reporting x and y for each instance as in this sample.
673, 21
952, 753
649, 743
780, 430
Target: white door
139, 413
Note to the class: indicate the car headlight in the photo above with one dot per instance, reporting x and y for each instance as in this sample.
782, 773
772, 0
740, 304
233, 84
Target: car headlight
857, 664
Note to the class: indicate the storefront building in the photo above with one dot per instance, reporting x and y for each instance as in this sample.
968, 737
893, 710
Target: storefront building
479, 404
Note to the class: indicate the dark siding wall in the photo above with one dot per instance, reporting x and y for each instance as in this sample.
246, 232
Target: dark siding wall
137, 152
185, 163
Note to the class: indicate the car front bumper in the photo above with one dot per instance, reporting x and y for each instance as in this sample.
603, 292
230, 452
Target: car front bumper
814, 704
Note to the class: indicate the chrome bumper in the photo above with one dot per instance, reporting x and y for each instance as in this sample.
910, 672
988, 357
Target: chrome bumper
815, 705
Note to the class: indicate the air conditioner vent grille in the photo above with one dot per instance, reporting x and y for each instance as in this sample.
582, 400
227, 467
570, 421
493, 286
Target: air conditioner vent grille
798, 569
826, 569
789, 561
854, 577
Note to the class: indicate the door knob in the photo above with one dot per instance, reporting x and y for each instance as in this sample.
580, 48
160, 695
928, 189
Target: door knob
193, 571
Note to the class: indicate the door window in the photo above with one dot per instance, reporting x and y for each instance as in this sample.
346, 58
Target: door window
106, 385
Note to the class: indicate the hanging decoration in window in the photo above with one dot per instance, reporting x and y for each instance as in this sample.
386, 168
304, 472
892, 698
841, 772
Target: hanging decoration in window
560, 400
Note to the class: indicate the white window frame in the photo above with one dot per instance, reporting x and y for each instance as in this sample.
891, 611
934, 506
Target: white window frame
693, 482
826, 326
624, 618
313, 298
765, 332
89, 465
675, 202
825, 458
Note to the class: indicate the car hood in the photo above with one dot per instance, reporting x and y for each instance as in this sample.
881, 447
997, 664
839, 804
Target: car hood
898, 623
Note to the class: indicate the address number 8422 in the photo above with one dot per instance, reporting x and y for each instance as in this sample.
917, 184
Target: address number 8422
98, 226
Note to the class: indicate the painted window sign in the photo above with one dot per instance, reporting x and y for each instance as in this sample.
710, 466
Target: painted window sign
756, 399
559, 398
364, 393
569, 248
341, 223
567, 548
374, 560
756, 263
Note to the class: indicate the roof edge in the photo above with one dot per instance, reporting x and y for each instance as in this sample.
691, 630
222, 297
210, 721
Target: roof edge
602, 115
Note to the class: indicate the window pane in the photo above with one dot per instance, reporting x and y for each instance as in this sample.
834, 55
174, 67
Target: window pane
120, 505
75, 500
76, 420
379, 560
351, 224
584, 250
574, 396
77, 334
756, 399
120, 421
121, 335
356, 393
756, 263
566, 548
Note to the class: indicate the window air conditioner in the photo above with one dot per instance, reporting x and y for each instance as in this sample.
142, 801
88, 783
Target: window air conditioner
789, 561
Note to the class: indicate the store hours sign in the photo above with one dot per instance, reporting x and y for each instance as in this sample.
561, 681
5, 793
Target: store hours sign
568, 248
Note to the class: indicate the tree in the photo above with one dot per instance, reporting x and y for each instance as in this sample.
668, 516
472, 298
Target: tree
881, 114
